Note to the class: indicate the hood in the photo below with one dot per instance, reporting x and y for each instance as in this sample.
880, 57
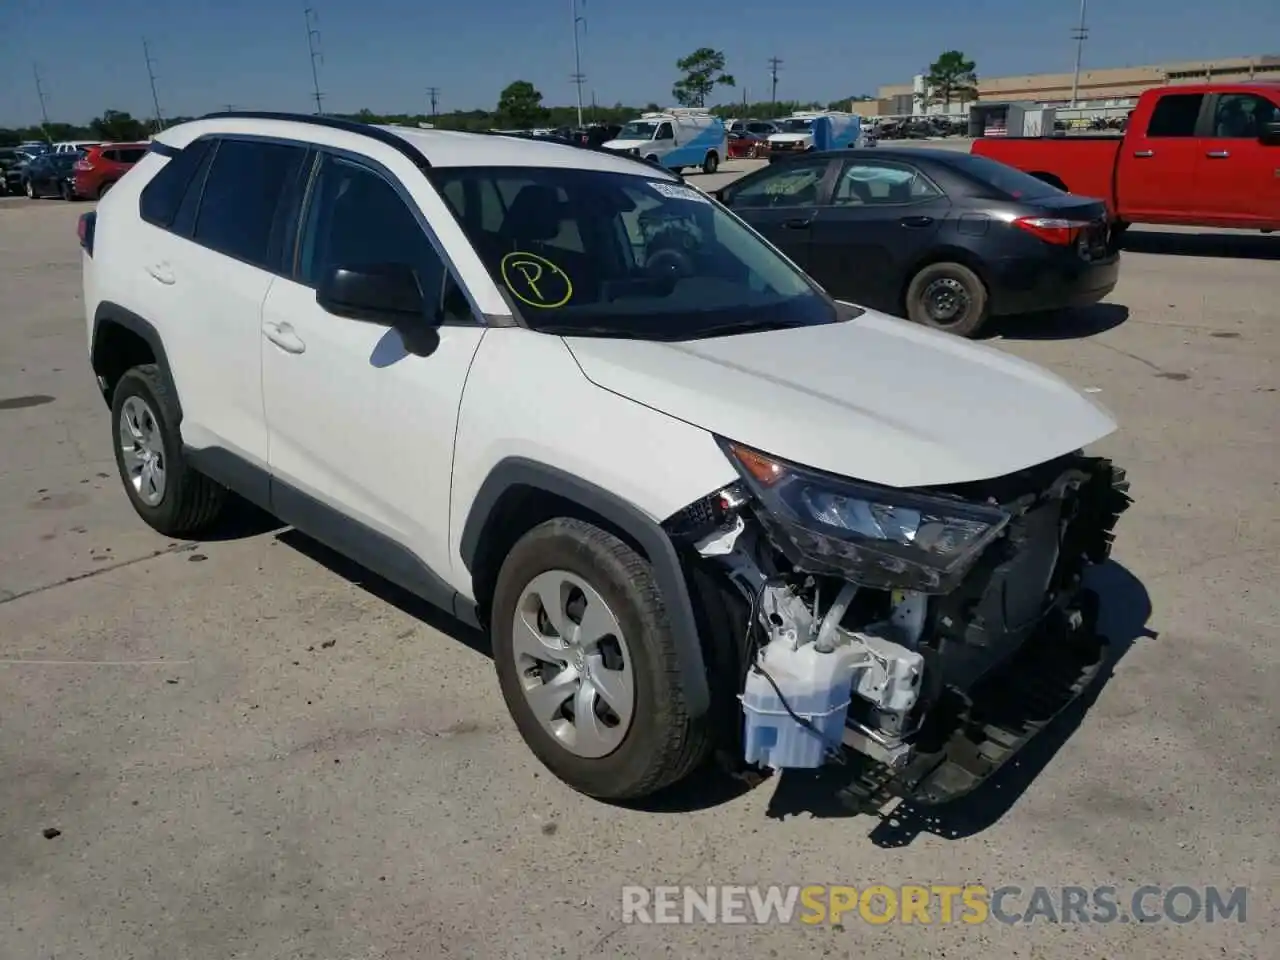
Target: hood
873, 398
789, 137
625, 144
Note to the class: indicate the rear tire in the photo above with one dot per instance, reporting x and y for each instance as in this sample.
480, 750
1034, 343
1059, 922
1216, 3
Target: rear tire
185, 502
602, 592
712, 163
103, 190
66, 192
948, 297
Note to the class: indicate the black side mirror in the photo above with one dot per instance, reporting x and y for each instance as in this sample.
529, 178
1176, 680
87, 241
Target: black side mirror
1270, 135
385, 293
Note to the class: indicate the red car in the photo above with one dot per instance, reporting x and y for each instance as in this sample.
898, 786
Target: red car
104, 164
747, 146
1201, 155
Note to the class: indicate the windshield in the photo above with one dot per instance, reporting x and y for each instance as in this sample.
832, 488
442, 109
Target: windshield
595, 253
637, 130
794, 125
1010, 183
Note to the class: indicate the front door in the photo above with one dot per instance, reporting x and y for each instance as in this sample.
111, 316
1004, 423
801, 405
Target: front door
882, 217
782, 202
360, 428
1158, 165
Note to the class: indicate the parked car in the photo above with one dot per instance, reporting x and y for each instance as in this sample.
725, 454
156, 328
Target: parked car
12, 176
50, 175
1202, 155
941, 237
101, 166
760, 129
747, 146
9, 158
609, 425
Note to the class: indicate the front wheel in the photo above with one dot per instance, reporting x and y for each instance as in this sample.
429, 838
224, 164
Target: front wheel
29, 189
588, 665
949, 297
712, 163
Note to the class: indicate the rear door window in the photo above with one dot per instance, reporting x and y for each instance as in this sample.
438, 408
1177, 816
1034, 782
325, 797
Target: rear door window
1175, 115
161, 197
242, 193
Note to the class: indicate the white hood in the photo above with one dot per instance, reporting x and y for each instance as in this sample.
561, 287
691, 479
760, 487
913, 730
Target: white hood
625, 144
789, 137
874, 398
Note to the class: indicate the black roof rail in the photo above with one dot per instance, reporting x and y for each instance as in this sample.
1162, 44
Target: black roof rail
399, 144
652, 164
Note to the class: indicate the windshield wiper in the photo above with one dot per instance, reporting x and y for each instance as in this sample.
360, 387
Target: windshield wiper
738, 326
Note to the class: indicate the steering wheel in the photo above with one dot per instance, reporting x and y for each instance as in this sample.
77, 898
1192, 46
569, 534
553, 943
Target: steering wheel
669, 263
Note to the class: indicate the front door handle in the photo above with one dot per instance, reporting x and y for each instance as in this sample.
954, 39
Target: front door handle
917, 221
282, 335
1218, 154
161, 273
1143, 154
797, 223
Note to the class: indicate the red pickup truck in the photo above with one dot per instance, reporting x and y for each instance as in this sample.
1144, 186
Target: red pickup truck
1204, 155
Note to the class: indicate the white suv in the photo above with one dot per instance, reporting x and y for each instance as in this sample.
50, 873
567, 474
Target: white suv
554, 390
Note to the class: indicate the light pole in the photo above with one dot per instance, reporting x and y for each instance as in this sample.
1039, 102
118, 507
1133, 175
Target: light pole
578, 77
1081, 32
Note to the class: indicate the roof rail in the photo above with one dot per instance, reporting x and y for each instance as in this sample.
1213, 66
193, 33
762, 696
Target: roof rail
397, 143
652, 164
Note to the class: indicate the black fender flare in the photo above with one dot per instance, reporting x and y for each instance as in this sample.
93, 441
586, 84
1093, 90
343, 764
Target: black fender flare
667, 570
109, 312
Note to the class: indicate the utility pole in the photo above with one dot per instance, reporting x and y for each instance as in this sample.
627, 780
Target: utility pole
774, 64
434, 94
313, 47
44, 108
1079, 35
151, 75
579, 78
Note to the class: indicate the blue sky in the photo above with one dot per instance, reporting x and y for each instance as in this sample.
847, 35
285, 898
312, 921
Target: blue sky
383, 54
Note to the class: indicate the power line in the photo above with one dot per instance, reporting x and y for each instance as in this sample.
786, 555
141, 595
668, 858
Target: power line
578, 77
774, 64
151, 75
1079, 35
434, 94
313, 47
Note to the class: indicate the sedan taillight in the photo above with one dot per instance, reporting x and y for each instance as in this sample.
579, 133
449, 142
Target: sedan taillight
83, 166
1053, 230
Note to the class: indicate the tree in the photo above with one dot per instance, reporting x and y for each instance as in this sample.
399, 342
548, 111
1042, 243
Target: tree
703, 71
951, 77
119, 126
520, 105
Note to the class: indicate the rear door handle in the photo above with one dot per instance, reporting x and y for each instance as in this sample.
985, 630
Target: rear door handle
282, 335
1218, 154
797, 223
917, 221
1143, 154
162, 273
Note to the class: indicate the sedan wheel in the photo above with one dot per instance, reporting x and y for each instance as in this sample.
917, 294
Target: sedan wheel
30, 190
948, 296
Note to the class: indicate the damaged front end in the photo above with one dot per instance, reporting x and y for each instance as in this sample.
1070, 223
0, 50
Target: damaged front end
932, 631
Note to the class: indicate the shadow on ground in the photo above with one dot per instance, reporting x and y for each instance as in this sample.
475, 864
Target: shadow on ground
1249, 246
1061, 324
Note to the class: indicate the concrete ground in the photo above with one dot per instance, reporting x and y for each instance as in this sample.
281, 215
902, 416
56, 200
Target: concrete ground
253, 750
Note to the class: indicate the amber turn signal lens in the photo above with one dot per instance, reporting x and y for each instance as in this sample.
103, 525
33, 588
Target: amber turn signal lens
763, 470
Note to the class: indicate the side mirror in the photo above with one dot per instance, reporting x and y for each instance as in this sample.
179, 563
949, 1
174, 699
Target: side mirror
1270, 135
385, 293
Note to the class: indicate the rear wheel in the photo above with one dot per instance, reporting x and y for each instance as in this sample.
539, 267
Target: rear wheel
66, 192
949, 297
588, 665
102, 191
712, 163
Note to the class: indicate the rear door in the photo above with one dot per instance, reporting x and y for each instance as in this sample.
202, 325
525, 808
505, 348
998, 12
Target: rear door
1158, 165
782, 202
882, 217
1238, 176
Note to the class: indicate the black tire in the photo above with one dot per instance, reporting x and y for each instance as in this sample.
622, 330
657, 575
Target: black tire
66, 192
104, 189
663, 744
191, 502
960, 280
712, 163
30, 190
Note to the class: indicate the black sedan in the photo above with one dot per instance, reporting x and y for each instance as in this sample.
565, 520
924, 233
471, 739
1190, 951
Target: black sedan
51, 175
944, 238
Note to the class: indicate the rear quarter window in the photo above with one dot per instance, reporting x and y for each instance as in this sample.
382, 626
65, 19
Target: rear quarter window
161, 197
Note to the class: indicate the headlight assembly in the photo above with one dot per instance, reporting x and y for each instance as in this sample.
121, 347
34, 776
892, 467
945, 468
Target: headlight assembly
876, 536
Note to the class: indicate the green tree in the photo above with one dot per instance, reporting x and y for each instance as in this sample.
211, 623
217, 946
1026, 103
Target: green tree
520, 105
951, 77
703, 71
119, 126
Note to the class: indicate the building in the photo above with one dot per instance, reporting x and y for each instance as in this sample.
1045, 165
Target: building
1099, 90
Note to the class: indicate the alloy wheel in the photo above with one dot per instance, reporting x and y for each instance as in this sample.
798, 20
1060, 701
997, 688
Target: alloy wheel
142, 449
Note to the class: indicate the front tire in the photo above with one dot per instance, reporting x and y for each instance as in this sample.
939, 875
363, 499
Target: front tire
66, 192
29, 189
588, 665
167, 492
948, 297
712, 163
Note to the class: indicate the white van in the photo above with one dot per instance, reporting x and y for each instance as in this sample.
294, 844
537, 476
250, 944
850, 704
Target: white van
74, 146
677, 138
795, 132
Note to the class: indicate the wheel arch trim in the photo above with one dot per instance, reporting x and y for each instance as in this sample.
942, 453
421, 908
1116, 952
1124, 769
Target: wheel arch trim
514, 472
108, 312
